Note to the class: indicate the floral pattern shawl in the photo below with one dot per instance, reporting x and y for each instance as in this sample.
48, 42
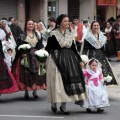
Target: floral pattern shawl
93, 40
65, 40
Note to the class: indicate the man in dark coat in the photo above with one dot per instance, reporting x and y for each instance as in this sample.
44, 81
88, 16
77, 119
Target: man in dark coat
15, 29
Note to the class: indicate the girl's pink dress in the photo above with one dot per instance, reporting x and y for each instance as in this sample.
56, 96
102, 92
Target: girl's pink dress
97, 92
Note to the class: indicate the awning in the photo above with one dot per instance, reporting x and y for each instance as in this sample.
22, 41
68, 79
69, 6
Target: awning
106, 2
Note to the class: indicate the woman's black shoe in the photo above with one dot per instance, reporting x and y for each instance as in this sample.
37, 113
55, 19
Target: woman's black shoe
26, 97
35, 96
89, 110
54, 109
64, 112
100, 110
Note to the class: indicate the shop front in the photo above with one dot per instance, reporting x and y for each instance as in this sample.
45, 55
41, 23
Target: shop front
106, 9
8, 8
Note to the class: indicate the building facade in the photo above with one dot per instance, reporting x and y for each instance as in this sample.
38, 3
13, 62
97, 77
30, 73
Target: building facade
43, 9
89, 9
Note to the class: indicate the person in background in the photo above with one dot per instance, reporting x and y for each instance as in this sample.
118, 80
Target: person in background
15, 29
64, 76
41, 27
4, 18
9, 58
9, 21
52, 24
8, 83
42, 30
9, 41
86, 24
116, 32
109, 46
79, 32
28, 78
36, 29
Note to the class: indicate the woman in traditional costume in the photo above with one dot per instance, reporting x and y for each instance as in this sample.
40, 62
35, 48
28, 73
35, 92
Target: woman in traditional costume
109, 46
27, 77
65, 80
9, 41
7, 81
93, 46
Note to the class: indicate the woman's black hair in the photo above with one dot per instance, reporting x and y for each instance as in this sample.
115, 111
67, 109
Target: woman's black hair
9, 49
92, 24
52, 19
26, 24
109, 22
59, 20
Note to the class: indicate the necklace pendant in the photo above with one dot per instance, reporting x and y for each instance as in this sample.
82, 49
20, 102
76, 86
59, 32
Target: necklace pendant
98, 42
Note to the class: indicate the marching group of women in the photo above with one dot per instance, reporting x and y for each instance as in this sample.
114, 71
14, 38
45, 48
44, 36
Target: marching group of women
65, 77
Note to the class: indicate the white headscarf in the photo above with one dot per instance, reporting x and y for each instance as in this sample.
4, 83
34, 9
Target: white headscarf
11, 39
43, 28
2, 34
99, 64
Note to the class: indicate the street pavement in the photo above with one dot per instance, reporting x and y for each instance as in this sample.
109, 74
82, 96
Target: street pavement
114, 91
15, 107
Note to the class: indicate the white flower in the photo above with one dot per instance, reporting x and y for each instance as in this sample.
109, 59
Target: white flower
41, 53
108, 78
84, 59
24, 46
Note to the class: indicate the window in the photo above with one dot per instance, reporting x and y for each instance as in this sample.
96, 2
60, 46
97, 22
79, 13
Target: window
52, 8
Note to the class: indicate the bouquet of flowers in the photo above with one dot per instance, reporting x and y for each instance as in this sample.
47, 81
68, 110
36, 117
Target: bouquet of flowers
25, 48
107, 78
41, 56
84, 59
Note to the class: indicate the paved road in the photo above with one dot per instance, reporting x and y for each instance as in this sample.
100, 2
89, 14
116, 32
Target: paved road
15, 107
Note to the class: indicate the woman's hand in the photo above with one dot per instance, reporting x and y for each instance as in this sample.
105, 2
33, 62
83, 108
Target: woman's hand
5, 60
23, 55
82, 64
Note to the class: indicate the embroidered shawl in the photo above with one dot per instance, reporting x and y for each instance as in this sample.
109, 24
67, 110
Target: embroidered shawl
93, 40
64, 40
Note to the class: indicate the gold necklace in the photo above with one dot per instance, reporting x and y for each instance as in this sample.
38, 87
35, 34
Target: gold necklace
31, 36
97, 39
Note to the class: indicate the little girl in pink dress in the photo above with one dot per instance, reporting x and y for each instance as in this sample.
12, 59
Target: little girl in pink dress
97, 93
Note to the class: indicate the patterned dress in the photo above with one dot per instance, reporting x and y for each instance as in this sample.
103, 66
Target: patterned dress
28, 77
7, 81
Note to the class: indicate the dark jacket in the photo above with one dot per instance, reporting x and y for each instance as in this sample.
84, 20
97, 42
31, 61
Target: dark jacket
22, 37
16, 31
21, 40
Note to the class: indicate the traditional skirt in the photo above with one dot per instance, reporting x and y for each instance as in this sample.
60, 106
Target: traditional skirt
110, 48
65, 81
7, 81
28, 77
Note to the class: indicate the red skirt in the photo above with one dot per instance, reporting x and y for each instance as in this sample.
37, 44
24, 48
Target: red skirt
7, 81
27, 79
